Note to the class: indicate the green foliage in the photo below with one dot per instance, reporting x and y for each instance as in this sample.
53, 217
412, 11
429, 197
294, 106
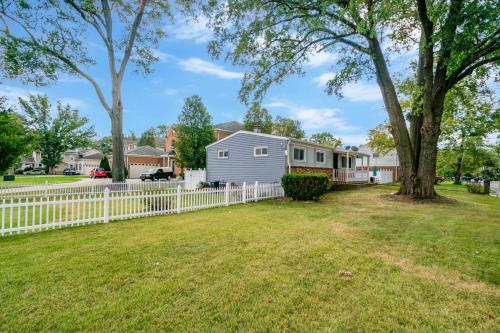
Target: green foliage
380, 139
326, 139
14, 137
475, 188
109, 174
258, 116
148, 138
104, 145
194, 133
104, 164
305, 186
288, 128
55, 135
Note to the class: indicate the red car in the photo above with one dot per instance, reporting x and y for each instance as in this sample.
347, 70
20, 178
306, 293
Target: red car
98, 173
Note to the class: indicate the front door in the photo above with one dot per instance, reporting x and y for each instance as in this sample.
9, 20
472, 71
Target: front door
335, 160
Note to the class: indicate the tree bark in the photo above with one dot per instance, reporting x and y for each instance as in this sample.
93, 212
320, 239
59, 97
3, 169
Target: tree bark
118, 167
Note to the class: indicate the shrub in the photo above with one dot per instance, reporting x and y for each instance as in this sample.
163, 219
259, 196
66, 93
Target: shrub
305, 186
104, 164
203, 185
474, 188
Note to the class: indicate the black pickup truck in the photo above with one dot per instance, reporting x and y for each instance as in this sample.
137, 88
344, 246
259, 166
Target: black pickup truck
156, 174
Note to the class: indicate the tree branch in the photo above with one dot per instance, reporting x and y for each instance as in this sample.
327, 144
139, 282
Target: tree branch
131, 39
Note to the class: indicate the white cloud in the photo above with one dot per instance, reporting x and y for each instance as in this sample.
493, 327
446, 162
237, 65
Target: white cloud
313, 118
321, 58
362, 92
323, 79
74, 102
162, 56
12, 94
197, 65
170, 91
196, 30
353, 139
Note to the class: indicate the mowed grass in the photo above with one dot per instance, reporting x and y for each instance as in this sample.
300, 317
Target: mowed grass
353, 262
40, 180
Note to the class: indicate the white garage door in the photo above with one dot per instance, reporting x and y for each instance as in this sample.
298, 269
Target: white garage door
135, 170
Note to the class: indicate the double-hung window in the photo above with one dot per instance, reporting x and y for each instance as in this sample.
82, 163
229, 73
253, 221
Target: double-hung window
299, 154
223, 153
320, 156
260, 151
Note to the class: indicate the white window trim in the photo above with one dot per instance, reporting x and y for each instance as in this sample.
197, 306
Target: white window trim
305, 153
223, 157
260, 147
324, 156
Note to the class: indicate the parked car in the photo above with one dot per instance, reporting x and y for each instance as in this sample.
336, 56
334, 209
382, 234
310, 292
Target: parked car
439, 179
156, 174
467, 178
70, 172
35, 171
98, 173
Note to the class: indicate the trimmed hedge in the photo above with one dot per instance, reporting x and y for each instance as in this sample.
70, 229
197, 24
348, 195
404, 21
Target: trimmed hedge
305, 186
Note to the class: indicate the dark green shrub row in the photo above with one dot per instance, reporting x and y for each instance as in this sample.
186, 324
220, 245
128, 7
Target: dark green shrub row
305, 186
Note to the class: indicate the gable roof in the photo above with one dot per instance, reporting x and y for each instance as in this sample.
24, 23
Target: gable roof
145, 151
298, 141
230, 126
94, 156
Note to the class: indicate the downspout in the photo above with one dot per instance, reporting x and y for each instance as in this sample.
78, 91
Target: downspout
288, 156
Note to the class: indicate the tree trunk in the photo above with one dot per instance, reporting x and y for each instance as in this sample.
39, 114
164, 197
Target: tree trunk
458, 168
118, 167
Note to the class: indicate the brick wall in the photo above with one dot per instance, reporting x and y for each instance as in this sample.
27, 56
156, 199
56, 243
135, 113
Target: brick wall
326, 171
219, 135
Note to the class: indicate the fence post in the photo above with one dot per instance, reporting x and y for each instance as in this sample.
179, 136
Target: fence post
255, 191
106, 205
178, 199
244, 194
46, 188
227, 194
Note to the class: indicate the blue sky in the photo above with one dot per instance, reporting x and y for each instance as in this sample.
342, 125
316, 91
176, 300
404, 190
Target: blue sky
185, 68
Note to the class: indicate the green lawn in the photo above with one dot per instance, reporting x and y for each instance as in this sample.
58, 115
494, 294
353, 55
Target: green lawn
27, 179
352, 262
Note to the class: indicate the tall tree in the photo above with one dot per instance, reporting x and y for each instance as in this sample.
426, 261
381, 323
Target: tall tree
14, 137
287, 127
469, 116
455, 39
257, 116
194, 133
148, 138
55, 135
40, 39
161, 130
380, 139
325, 138
104, 144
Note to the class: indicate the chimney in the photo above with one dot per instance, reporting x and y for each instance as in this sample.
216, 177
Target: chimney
256, 129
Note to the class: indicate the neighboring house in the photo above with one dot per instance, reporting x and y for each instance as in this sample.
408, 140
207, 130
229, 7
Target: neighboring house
82, 160
33, 161
389, 161
249, 156
141, 159
221, 131
129, 144
226, 129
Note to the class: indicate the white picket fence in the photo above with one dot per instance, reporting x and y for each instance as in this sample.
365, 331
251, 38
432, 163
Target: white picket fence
27, 214
192, 178
29, 191
495, 188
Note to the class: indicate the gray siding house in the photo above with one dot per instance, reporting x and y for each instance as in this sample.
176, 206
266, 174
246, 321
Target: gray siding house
249, 157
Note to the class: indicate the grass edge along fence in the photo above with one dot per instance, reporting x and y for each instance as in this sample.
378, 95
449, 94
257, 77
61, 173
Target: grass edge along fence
48, 189
30, 214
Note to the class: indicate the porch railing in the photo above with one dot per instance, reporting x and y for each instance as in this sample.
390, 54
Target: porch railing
348, 176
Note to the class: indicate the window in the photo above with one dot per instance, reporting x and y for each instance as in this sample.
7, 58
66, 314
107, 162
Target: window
320, 156
260, 151
299, 154
223, 153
